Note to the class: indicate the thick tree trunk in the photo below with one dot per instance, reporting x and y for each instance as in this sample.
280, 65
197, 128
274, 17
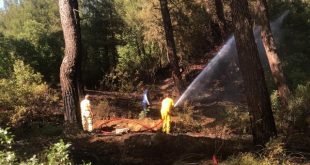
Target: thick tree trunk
262, 121
171, 49
71, 64
272, 54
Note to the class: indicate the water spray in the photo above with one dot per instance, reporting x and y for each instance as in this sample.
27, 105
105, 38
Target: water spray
223, 57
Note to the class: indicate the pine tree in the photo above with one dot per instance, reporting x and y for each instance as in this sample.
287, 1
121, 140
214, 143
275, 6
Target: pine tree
171, 48
261, 116
272, 53
71, 64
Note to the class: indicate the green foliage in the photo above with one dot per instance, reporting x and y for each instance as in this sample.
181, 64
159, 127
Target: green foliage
117, 80
58, 154
143, 114
33, 30
23, 92
104, 109
7, 157
101, 30
22, 87
246, 159
275, 102
125, 38
237, 118
295, 43
6, 139
32, 161
137, 58
186, 115
142, 48
297, 111
6, 57
194, 27
273, 154
19, 115
275, 151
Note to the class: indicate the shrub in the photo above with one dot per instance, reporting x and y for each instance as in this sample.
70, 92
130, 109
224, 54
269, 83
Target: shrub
275, 102
57, 154
23, 92
186, 114
273, 154
299, 105
119, 80
297, 110
6, 141
143, 114
245, 159
237, 118
19, 114
7, 157
22, 87
104, 109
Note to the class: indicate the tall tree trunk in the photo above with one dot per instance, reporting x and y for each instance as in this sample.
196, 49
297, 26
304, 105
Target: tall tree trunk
71, 64
262, 121
171, 49
272, 53
214, 9
219, 8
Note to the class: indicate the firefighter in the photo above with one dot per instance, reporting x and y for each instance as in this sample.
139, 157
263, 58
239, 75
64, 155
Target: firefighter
145, 101
166, 107
86, 114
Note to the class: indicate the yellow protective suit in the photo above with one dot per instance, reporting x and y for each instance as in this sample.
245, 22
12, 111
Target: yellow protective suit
166, 106
86, 115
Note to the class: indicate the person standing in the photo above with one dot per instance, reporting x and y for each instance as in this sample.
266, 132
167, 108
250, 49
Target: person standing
87, 114
145, 101
166, 107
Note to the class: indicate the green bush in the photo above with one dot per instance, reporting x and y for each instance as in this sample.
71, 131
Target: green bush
104, 110
246, 159
118, 80
143, 114
6, 141
297, 111
22, 87
23, 92
273, 154
186, 115
237, 118
57, 154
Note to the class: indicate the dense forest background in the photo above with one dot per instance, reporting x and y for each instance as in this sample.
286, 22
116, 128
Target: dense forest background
125, 39
124, 47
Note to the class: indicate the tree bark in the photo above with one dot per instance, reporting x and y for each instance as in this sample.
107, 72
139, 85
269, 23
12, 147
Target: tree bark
219, 8
272, 53
262, 121
214, 9
171, 48
71, 64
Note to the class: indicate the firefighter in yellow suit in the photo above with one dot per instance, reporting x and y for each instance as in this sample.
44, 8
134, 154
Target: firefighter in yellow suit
86, 114
166, 107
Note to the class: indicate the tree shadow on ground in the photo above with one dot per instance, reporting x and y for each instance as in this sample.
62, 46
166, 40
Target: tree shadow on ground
153, 148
